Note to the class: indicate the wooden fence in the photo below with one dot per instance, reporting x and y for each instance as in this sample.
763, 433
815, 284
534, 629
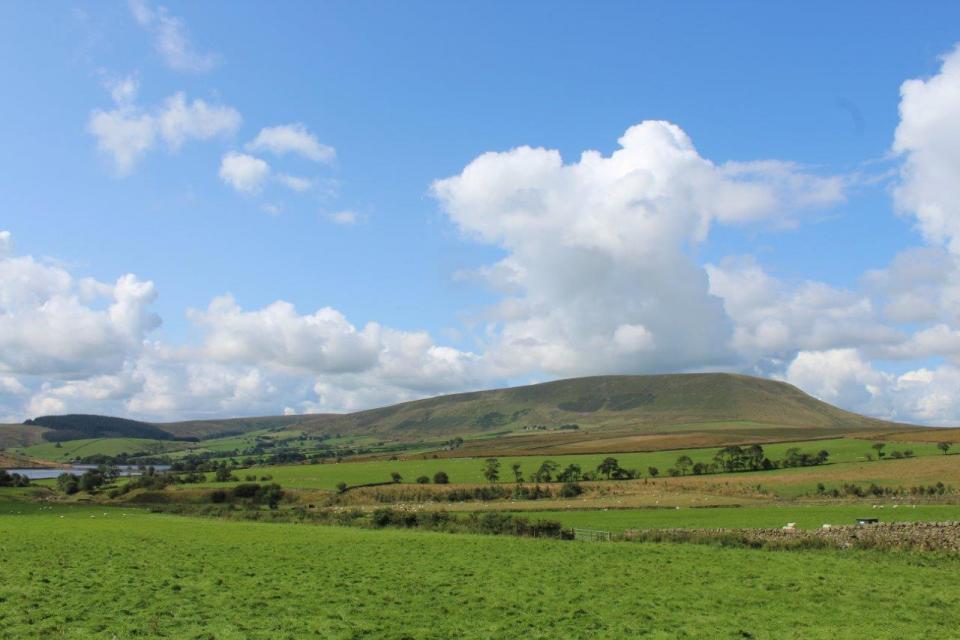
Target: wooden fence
592, 535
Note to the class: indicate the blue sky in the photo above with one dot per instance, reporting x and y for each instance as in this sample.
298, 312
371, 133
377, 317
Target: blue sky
411, 93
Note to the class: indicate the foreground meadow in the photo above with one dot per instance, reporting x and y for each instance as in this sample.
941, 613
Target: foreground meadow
80, 572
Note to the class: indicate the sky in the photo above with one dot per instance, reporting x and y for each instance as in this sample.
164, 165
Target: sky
224, 209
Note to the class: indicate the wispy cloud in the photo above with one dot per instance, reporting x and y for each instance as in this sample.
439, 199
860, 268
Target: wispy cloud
171, 39
292, 138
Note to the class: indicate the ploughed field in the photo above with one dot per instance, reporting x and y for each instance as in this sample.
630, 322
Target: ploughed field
83, 572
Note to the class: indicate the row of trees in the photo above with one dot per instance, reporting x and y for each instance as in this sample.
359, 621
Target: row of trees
727, 460
735, 458
551, 471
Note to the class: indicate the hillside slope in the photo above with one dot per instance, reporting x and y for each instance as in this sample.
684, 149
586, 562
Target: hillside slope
639, 404
205, 429
20, 435
76, 426
625, 412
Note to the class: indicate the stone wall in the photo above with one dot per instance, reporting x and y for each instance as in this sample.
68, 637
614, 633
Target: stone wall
924, 536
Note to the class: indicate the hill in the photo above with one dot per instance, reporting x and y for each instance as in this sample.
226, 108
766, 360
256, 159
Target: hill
20, 435
218, 428
76, 426
637, 404
600, 413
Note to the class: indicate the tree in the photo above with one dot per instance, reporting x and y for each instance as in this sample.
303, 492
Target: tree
653, 471
396, 477
441, 477
546, 471
571, 474
731, 458
423, 480
608, 466
879, 448
754, 457
223, 474
683, 464
68, 483
492, 471
943, 446
517, 473
91, 480
272, 494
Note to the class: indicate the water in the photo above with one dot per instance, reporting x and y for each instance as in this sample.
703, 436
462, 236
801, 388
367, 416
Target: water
78, 469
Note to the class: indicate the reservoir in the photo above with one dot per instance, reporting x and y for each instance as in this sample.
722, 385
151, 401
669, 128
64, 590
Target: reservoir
79, 469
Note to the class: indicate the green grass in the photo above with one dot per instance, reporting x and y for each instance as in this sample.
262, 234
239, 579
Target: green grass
99, 446
805, 516
70, 575
469, 470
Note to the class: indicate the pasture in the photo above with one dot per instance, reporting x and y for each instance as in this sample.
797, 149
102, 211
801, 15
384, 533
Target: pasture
73, 572
72, 449
470, 470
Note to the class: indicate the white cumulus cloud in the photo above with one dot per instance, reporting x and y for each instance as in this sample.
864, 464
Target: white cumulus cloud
928, 138
243, 172
55, 325
597, 250
291, 138
128, 132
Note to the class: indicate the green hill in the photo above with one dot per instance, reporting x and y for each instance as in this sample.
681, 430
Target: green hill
638, 404
218, 428
725, 406
76, 426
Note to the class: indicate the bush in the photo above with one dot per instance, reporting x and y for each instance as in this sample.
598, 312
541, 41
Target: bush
423, 480
246, 490
570, 490
441, 477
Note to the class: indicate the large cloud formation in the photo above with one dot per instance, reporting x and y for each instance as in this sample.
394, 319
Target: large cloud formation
598, 267
599, 274
77, 344
920, 289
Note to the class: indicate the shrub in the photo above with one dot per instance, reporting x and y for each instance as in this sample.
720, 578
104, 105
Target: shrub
246, 490
423, 480
570, 490
441, 477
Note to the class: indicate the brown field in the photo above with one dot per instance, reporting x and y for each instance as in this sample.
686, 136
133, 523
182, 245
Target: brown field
927, 435
626, 440
11, 461
790, 482
20, 435
622, 494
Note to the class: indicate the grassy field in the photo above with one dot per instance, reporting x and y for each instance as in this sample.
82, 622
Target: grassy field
103, 446
77, 573
470, 470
